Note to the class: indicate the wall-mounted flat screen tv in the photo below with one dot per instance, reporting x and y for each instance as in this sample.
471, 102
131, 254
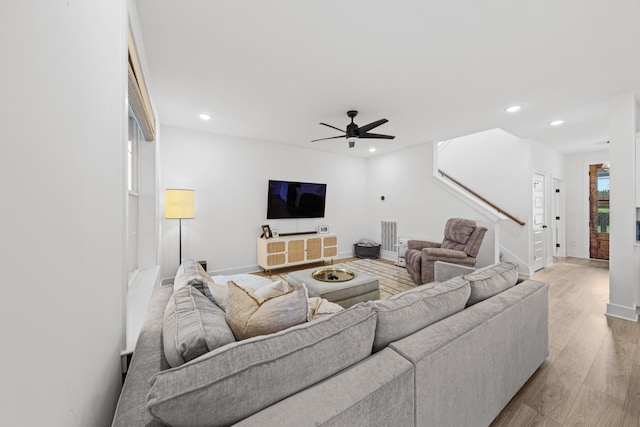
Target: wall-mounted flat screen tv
289, 199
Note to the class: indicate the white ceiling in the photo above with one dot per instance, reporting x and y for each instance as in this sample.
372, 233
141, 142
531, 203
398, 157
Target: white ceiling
273, 69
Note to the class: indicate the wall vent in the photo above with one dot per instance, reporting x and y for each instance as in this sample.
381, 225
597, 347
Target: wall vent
389, 235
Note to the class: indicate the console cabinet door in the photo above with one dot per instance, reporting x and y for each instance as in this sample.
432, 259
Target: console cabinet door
295, 251
275, 253
314, 249
330, 245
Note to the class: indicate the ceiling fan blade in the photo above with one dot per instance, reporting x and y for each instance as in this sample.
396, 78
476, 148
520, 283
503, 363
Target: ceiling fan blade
332, 127
367, 128
376, 135
331, 137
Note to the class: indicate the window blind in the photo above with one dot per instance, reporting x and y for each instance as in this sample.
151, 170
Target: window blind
139, 103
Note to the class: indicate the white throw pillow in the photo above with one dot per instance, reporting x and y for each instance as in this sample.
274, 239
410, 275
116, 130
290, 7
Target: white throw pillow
273, 289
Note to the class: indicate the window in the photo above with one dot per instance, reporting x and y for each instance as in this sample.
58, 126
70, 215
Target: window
133, 196
141, 217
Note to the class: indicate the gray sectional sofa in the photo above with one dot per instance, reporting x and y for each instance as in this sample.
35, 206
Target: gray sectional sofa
450, 353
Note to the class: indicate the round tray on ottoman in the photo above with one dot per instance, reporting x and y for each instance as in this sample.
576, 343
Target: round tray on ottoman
333, 275
345, 293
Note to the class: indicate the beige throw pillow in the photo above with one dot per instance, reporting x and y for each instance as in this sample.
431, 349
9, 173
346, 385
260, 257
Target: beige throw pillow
215, 292
218, 293
250, 315
319, 307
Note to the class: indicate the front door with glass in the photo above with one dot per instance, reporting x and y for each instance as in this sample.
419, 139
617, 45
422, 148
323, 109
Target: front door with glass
598, 212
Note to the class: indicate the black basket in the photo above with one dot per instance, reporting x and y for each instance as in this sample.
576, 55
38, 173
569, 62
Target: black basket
362, 251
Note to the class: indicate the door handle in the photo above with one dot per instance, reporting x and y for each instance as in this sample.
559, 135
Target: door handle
544, 226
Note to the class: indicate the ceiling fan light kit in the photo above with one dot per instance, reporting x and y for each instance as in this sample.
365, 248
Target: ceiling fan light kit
354, 132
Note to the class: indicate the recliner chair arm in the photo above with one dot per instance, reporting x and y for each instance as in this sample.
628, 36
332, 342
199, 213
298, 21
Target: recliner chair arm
441, 254
421, 244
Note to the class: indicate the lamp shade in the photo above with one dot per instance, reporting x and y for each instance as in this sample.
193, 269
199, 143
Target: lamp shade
178, 203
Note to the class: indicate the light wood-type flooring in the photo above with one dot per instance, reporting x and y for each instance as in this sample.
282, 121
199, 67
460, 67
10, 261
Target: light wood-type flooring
592, 374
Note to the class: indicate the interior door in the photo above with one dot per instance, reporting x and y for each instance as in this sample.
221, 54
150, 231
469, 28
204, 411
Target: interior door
598, 212
558, 215
539, 226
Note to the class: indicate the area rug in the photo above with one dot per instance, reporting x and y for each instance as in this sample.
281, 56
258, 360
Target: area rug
391, 278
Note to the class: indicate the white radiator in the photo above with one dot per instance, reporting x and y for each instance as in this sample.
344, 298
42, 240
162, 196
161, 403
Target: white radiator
403, 244
389, 236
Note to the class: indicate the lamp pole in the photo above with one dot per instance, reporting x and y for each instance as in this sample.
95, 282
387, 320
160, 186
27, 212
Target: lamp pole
180, 239
179, 204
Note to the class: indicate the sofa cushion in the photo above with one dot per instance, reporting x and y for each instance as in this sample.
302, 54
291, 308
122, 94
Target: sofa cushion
409, 311
192, 326
189, 274
232, 382
250, 315
491, 280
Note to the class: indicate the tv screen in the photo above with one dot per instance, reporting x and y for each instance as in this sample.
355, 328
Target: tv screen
288, 199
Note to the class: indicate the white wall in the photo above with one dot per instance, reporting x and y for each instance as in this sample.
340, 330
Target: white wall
230, 176
623, 112
550, 163
415, 200
496, 165
493, 163
499, 167
577, 199
63, 129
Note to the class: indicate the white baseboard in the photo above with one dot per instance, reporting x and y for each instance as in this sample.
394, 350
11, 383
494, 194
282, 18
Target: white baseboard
626, 313
390, 255
523, 267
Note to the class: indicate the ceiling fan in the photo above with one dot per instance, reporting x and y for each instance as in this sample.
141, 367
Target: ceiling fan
354, 132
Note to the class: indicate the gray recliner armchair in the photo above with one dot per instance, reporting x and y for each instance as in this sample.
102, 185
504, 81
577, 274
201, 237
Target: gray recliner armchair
462, 240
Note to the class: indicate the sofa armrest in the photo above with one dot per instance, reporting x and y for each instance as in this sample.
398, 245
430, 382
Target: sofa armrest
421, 244
479, 358
444, 271
376, 391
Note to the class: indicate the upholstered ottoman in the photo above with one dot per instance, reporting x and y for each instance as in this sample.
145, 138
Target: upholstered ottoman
359, 289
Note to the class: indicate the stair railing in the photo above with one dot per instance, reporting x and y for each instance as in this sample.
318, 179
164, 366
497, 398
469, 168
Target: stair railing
493, 205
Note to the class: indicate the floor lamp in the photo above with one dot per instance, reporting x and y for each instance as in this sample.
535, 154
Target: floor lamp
179, 205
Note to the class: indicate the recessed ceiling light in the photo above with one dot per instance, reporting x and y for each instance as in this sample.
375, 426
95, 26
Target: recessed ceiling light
513, 109
556, 122
205, 116
372, 150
